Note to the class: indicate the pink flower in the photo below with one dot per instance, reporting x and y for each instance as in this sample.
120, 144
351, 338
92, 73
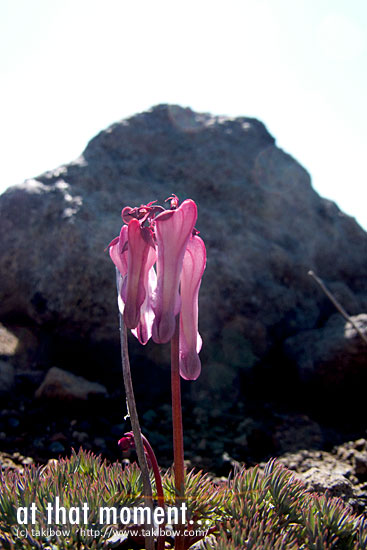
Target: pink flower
173, 230
134, 255
150, 300
190, 341
140, 249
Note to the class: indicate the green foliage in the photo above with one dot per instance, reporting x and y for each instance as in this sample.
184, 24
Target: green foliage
256, 510
271, 510
204, 500
83, 478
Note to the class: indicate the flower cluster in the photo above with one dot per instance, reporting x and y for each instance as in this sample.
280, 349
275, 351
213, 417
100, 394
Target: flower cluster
160, 261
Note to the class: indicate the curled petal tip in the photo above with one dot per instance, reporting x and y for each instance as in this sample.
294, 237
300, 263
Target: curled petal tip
190, 365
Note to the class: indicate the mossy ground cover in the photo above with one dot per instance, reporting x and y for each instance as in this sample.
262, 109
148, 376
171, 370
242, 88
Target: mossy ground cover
253, 509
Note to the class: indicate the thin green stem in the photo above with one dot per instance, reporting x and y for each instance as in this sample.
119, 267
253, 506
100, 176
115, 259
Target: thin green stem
148, 497
178, 448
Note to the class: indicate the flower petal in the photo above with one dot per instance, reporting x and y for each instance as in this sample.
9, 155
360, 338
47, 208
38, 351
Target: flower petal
119, 283
173, 229
118, 251
139, 244
190, 340
144, 329
118, 254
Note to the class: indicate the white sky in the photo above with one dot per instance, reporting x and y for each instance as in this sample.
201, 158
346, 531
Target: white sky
72, 67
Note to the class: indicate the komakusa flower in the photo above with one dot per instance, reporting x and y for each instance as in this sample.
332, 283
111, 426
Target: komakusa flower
133, 254
173, 230
150, 300
141, 257
190, 341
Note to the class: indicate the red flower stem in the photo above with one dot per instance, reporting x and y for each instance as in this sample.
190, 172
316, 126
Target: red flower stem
178, 448
157, 474
148, 497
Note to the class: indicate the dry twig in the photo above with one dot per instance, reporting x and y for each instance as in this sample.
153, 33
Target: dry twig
338, 306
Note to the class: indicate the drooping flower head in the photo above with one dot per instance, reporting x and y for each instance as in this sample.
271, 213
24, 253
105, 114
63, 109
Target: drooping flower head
190, 339
150, 300
173, 229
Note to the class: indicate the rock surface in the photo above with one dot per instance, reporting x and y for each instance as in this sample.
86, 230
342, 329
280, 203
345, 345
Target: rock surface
18, 345
331, 354
263, 224
338, 472
8, 342
65, 386
14, 461
7, 377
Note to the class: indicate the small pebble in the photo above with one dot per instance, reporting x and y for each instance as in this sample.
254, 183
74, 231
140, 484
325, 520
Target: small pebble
59, 436
360, 461
80, 437
13, 422
360, 444
56, 447
99, 442
202, 444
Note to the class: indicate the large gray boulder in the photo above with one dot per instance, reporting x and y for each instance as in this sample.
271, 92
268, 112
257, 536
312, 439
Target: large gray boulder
263, 224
